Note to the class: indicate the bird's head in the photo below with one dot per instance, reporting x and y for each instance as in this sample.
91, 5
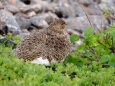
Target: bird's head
58, 25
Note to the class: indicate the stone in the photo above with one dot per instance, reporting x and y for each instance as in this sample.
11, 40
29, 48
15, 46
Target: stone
12, 8
80, 23
41, 2
22, 21
86, 2
11, 1
98, 1
43, 20
19, 4
30, 8
7, 18
31, 14
107, 5
26, 1
38, 22
92, 11
48, 17
3, 30
78, 10
64, 10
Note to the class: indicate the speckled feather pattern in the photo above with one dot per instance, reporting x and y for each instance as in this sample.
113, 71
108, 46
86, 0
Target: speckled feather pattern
51, 44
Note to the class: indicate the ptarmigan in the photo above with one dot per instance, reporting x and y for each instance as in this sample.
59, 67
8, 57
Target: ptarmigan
46, 46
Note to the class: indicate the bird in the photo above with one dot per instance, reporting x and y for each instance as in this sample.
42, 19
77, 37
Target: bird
51, 45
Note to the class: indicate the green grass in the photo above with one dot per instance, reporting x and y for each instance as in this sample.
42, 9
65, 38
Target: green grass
83, 67
15, 72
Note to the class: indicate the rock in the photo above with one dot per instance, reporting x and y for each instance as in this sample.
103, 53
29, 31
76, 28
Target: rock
1, 7
86, 2
22, 21
7, 18
98, 1
64, 10
42, 20
48, 17
7, 2
41, 2
99, 22
107, 5
80, 23
19, 4
38, 22
2, 28
108, 1
26, 1
4, 2
12, 8
30, 8
93, 11
11, 1
31, 14
78, 10
24, 33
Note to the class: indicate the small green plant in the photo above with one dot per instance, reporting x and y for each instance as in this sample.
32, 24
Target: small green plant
74, 38
98, 47
107, 12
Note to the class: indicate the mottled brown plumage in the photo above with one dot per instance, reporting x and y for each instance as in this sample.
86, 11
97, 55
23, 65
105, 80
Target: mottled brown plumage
51, 43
